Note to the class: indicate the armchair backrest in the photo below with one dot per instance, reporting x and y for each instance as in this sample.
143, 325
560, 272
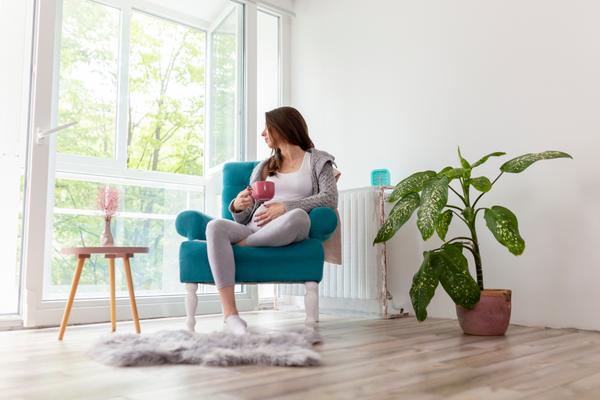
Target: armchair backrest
236, 177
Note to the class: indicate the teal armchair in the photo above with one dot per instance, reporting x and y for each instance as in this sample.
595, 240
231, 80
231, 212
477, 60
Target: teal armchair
297, 263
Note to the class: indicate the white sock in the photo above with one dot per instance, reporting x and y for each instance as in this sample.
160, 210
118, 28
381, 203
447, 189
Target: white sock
236, 325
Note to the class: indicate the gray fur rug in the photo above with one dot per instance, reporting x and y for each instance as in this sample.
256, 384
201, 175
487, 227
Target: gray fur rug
209, 349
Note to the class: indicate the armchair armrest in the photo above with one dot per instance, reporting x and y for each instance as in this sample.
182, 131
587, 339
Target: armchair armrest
192, 224
323, 222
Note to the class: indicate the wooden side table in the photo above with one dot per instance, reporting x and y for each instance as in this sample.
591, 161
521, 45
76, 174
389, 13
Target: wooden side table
81, 253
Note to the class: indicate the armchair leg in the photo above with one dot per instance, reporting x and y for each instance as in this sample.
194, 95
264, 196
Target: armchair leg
317, 305
191, 302
311, 300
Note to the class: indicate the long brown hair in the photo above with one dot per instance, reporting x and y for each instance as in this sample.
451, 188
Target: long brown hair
287, 125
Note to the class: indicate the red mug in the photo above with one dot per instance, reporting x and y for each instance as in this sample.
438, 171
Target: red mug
263, 190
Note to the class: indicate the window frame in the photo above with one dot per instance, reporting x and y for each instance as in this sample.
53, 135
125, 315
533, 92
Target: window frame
44, 163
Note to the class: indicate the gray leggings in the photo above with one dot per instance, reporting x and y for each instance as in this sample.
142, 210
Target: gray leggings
221, 234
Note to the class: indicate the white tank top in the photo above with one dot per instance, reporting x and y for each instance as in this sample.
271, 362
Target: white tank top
292, 186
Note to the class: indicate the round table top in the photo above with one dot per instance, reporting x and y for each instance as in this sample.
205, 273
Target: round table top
104, 250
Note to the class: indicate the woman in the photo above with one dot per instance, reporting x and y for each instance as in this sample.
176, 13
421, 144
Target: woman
304, 180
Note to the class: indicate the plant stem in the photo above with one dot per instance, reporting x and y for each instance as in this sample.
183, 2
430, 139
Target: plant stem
457, 238
457, 208
459, 216
462, 198
477, 255
477, 199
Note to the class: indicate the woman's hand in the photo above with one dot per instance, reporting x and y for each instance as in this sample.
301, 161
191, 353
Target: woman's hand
243, 200
272, 211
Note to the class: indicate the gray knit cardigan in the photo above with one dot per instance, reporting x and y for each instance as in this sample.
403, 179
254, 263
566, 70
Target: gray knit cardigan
325, 193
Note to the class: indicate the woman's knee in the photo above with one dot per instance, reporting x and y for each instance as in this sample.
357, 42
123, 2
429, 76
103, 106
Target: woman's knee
216, 227
300, 219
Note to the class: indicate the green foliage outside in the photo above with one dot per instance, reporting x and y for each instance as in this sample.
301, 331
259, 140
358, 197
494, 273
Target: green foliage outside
166, 97
447, 264
88, 78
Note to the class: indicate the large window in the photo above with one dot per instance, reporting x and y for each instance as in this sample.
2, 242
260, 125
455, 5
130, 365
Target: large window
139, 84
165, 93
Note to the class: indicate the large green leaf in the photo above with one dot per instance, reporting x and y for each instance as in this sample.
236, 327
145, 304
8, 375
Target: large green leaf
401, 213
520, 164
443, 223
442, 172
433, 200
484, 159
452, 269
481, 183
412, 184
423, 287
503, 224
465, 164
455, 173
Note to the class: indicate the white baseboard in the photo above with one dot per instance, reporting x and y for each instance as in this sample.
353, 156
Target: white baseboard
95, 314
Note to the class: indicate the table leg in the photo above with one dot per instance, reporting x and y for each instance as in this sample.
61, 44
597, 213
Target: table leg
65, 319
131, 294
113, 307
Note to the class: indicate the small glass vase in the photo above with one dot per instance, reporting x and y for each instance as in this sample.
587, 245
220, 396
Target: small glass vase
107, 239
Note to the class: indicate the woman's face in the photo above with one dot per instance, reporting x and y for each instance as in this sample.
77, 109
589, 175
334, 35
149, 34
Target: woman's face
269, 139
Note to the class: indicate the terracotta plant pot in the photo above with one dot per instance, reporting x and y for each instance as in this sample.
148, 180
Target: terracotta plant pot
490, 317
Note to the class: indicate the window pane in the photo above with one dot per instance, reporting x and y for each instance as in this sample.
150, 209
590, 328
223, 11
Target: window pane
147, 219
226, 57
88, 78
268, 75
166, 92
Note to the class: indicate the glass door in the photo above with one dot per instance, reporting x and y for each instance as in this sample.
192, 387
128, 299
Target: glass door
16, 39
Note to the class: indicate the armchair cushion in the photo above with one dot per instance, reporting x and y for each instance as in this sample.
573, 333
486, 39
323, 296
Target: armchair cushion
299, 262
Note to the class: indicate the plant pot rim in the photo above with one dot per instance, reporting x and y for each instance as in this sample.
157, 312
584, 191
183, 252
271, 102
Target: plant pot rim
496, 292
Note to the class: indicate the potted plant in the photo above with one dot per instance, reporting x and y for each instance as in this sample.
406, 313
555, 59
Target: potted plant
480, 311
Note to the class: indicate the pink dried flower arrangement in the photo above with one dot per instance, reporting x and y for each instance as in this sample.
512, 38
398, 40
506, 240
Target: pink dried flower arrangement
108, 202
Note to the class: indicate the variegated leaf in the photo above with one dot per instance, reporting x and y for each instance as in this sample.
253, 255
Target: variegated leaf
401, 213
423, 287
520, 164
452, 269
455, 173
433, 200
503, 224
484, 159
412, 184
458, 245
465, 164
442, 172
481, 183
443, 223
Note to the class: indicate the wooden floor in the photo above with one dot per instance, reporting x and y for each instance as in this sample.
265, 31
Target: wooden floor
362, 359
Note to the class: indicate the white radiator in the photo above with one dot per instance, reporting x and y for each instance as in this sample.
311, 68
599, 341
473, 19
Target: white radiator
357, 285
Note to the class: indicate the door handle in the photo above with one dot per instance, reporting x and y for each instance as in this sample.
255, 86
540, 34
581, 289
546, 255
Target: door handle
42, 135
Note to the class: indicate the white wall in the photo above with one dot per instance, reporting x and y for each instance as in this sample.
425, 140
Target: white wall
399, 84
